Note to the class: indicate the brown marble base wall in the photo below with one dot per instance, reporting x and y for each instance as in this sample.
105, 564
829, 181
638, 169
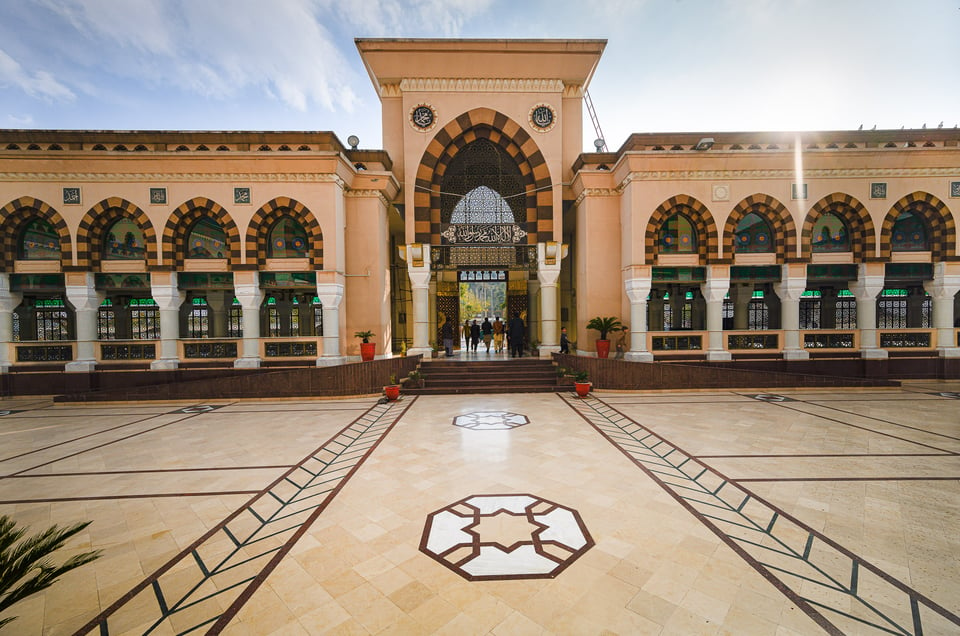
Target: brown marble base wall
619, 374
897, 367
199, 384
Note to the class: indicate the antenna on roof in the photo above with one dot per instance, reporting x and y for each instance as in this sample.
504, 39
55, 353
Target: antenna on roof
596, 123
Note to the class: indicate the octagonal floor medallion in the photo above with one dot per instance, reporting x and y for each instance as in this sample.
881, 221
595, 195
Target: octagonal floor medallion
496, 537
490, 420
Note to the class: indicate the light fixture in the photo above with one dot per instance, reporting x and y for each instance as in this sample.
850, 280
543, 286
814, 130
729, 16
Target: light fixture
599, 144
354, 141
704, 144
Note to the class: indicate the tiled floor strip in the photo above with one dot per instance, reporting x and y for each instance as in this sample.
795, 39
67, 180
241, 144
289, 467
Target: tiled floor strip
840, 591
206, 584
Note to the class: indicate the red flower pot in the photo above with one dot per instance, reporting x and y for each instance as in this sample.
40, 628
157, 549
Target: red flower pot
583, 388
392, 391
367, 350
603, 348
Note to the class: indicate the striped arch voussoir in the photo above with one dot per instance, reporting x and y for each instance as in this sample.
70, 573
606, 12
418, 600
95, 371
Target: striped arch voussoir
266, 216
175, 231
849, 210
703, 223
482, 123
94, 225
936, 216
775, 214
16, 213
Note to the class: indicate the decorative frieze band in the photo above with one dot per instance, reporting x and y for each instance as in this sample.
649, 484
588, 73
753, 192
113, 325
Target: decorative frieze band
480, 85
719, 175
599, 192
157, 177
366, 194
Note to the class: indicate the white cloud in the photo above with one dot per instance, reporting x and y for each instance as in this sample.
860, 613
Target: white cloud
40, 84
399, 18
20, 121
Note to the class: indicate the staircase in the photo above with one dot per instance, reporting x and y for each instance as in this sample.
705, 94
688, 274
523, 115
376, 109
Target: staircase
523, 375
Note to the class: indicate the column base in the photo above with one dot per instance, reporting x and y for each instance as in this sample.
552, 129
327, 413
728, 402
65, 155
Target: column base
945, 352
247, 363
426, 352
719, 355
165, 364
874, 354
638, 356
80, 366
547, 351
330, 361
796, 354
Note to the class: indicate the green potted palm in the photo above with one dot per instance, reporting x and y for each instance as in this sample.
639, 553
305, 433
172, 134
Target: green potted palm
581, 383
604, 325
367, 348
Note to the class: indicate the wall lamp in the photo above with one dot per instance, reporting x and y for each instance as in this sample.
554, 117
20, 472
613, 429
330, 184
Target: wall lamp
704, 144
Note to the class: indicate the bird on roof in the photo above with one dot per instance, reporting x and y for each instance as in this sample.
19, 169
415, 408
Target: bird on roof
861, 127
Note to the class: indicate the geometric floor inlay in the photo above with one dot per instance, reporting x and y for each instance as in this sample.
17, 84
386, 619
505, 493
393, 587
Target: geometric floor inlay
498, 537
490, 420
841, 591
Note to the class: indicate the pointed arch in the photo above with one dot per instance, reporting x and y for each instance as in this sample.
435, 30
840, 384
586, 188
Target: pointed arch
99, 218
16, 214
483, 123
863, 235
936, 215
702, 220
777, 217
180, 222
271, 212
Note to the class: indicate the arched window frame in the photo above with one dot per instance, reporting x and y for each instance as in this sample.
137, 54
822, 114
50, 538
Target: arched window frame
671, 238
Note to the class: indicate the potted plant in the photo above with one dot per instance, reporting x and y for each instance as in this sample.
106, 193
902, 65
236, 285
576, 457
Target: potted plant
392, 390
581, 384
604, 325
367, 348
415, 378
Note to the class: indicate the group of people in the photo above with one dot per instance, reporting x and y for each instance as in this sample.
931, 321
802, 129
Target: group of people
496, 332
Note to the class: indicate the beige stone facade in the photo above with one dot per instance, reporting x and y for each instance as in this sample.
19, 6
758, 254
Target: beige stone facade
249, 249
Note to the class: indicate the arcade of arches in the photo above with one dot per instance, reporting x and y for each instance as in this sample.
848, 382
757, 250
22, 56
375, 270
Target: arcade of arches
219, 258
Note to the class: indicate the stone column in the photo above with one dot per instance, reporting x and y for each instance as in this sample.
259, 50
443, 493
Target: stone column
122, 321
741, 294
866, 288
419, 272
8, 304
915, 299
548, 275
637, 290
943, 289
789, 290
305, 315
714, 289
284, 312
678, 297
433, 310
83, 297
167, 295
250, 296
330, 295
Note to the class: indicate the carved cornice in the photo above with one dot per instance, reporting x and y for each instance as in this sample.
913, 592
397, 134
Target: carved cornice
827, 173
390, 90
160, 177
573, 90
366, 194
598, 192
478, 85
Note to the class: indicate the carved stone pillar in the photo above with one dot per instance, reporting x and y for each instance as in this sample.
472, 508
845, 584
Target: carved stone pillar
943, 289
866, 288
167, 295
789, 290
548, 275
250, 296
85, 300
418, 268
741, 294
714, 290
8, 304
330, 295
637, 290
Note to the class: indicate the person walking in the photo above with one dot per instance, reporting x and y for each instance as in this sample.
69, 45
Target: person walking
564, 342
487, 330
446, 332
474, 335
466, 335
498, 335
515, 331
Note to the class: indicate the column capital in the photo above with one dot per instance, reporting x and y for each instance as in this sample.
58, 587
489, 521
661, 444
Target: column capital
790, 288
330, 294
637, 289
715, 289
945, 283
82, 293
866, 287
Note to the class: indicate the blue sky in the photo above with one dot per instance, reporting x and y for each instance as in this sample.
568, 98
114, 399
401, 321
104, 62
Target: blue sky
670, 65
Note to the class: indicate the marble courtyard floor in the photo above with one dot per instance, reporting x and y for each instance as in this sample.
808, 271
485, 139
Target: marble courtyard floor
720, 512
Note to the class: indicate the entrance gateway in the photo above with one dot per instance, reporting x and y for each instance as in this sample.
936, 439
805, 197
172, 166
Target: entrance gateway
485, 134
